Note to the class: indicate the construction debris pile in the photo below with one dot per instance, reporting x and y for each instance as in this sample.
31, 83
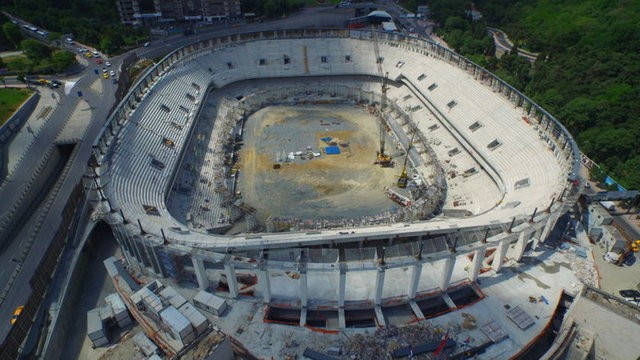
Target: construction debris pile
384, 341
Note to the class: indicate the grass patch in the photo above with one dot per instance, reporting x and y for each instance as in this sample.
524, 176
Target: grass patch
137, 69
10, 101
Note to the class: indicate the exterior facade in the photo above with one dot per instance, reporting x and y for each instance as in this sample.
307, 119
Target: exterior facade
151, 13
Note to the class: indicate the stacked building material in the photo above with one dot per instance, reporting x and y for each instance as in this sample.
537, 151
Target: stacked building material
119, 309
179, 326
95, 328
209, 302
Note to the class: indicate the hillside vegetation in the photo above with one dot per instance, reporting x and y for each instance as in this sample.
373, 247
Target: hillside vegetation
588, 74
94, 22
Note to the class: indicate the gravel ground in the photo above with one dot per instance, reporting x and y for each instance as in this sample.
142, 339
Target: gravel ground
328, 186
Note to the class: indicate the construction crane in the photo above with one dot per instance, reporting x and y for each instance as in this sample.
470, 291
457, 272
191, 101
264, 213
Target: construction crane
403, 180
382, 158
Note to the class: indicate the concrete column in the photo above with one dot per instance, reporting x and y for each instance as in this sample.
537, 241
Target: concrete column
303, 316
265, 283
447, 271
521, 245
304, 295
154, 252
342, 286
551, 222
379, 286
476, 264
416, 310
201, 273
415, 279
499, 255
230, 271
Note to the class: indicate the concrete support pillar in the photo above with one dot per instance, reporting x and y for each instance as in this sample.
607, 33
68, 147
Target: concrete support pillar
342, 286
551, 222
304, 295
501, 252
416, 310
201, 273
158, 268
415, 279
303, 316
447, 271
265, 284
476, 264
232, 280
521, 245
379, 286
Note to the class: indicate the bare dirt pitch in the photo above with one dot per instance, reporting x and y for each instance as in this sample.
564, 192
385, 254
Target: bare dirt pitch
347, 185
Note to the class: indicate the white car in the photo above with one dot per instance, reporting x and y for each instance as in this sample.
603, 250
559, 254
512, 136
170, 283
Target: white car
112, 73
104, 70
146, 44
107, 63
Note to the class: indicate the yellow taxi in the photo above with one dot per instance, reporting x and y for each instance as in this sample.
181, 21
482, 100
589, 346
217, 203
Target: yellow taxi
16, 314
105, 75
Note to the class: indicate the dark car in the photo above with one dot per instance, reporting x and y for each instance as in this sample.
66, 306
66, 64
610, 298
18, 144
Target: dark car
630, 295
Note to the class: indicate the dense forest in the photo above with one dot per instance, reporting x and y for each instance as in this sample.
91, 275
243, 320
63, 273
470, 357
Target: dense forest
587, 74
94, 22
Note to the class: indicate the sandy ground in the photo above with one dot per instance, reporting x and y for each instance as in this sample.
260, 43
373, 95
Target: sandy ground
329, 186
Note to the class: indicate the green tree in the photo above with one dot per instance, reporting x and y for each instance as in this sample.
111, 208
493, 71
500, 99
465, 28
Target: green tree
4, 82
12, 32
62, 60
34, 50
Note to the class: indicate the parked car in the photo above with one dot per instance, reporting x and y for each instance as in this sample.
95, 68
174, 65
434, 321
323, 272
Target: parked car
107, 63
112, 73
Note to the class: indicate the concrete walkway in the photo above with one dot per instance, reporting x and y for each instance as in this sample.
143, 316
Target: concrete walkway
48, 102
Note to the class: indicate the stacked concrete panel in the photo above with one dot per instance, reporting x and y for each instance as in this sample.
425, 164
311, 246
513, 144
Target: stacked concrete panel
119, 309
146, 346
179, 326
209, 302
95, 328
147, 300
171, 295
198, 321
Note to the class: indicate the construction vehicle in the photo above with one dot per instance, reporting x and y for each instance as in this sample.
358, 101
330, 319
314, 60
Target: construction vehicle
382, 158
403, 180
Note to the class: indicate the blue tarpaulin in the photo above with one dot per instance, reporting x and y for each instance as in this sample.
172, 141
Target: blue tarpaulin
332, 150
326, 139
